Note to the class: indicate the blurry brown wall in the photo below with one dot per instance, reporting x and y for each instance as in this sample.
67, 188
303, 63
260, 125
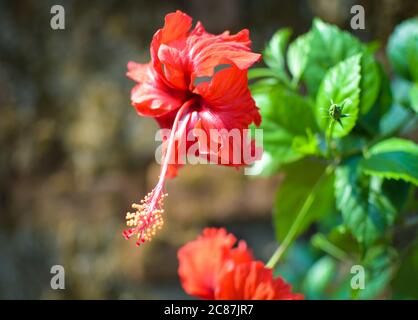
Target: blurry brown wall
74, 155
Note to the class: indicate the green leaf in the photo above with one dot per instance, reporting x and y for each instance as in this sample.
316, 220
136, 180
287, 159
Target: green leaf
277, 141
297, 56
286, 117
397, 48
303, 181
405, 282
370, 121
319, 276
397, 191
378, 263
339, 84
394, 144
393, 120
275, 51
412, 57
350, 144
378, 269
413, 94
321, 242
288, 110
393, 159
256, 73
268, 165
366, 210
370, 82
373, 46
307, 145
342, 238
401, 89
329, 46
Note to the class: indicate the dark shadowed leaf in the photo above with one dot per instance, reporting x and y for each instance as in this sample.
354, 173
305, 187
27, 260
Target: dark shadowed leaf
405, 283
302, 180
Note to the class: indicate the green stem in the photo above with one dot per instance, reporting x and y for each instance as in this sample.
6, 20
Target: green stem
329, 138
355, 294
322, 243
294, 83
298, 222
292, 232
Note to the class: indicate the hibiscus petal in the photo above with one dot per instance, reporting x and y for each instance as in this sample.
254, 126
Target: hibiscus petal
227, 108
252, 281
206, 51
166, 46
199, 29
139, 72
177, 25
154, 100
227, 99
173, 66
210, 57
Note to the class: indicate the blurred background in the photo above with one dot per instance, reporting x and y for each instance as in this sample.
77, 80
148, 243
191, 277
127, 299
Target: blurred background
74, 155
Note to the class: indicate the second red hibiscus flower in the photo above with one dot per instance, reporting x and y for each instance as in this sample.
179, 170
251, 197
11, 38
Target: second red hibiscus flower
210, 267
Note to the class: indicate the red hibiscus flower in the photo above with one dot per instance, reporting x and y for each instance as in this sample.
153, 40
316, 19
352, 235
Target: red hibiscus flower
201, 261
252, 281
211, 268
195, 80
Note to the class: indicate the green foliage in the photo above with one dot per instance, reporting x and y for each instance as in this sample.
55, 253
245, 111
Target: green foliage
279, 127
407, 275
274, 54
366, 210
413, 96
401, 45
340, 237
402, 51
371, 120
297, 56
329, 46
334, 123
393, 159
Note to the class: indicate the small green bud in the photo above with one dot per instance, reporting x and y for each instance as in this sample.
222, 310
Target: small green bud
335, 111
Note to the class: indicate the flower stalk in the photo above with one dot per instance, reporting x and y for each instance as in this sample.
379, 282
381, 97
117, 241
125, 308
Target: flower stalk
147, 218
291, 235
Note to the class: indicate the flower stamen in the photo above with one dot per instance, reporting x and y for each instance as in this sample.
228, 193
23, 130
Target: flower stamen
147, 217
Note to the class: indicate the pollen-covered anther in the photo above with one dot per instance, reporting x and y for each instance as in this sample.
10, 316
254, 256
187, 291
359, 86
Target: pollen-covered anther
146, 219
